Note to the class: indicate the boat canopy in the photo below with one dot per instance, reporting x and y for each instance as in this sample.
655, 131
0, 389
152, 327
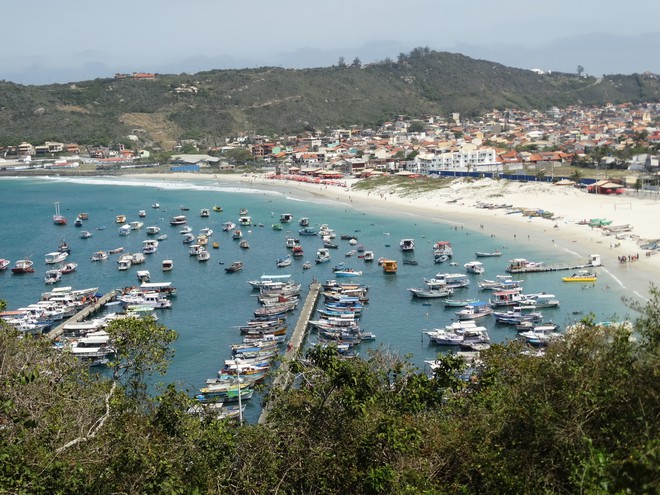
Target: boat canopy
155, 285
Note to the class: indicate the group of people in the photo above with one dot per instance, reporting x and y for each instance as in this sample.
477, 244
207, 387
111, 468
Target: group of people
630, 257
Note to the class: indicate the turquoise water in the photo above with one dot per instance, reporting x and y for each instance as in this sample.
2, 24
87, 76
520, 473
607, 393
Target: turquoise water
211, 303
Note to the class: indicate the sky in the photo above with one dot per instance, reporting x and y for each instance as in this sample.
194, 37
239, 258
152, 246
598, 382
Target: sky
73, 40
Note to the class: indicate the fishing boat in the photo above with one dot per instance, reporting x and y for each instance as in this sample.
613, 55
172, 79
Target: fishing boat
475, 310
58, 219
124, 262
52, 277
407, 244
434, 289
458, 303
23, 266
308, 231
167, 265
234, 267
297, 251
56, 257
582, 276
389, 266
481, 254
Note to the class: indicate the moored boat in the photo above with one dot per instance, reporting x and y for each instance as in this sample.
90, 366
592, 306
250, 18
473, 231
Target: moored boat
23, 266
482, 254
583, 276
58, 219
56, 257
167, 265
234, 267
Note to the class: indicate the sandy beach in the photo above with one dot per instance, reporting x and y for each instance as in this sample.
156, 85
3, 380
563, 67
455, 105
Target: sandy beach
457, 205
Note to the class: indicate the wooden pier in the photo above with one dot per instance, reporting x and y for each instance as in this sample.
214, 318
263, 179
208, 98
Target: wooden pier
283, 379
82, 314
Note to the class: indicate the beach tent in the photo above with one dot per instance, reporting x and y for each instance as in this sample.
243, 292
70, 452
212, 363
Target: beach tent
565, 182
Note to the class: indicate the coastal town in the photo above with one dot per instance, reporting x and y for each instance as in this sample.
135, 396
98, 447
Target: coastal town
530, 144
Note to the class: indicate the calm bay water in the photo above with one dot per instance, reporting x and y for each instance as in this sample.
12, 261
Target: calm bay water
212, 303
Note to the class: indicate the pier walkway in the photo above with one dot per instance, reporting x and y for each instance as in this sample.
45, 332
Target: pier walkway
82, 314
283, 379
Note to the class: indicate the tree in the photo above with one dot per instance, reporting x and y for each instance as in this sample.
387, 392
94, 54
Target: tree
357, 63
341, 62
580, 70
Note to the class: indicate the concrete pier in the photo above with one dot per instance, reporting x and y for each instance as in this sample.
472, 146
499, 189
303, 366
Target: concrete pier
82, 314
283, 379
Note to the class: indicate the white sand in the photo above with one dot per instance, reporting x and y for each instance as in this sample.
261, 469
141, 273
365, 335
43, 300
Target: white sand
457, 204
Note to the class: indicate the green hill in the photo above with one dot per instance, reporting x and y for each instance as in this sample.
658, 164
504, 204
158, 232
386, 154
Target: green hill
276, 100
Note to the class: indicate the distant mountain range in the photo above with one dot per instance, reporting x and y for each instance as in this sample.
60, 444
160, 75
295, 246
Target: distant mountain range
211, 105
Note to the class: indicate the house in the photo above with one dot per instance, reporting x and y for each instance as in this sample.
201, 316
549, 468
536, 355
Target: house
605, 186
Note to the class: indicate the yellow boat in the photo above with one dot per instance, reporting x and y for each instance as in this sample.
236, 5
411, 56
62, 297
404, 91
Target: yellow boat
216, 245
120, 219
585, 277
217, 208
389, 266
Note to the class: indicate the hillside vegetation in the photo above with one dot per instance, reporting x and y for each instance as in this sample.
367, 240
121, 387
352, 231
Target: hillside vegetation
275, 100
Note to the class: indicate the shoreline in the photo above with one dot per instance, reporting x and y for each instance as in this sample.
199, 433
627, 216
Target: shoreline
456, 205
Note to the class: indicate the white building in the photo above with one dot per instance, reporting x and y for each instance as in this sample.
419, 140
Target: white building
464, 160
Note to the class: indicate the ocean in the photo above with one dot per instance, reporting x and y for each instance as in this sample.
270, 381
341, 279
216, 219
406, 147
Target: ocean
212, 303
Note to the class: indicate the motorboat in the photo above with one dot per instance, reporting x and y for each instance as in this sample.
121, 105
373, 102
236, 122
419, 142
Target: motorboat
142, 213
137, 258
297, 251
155, 206
581, 276
434, 289
307, 265
453, 280
227, 226
206, 231
188, 238
204, 256
149, 246
204, 213
56, 257
161, 237
4, 263
58, 219
195, 249
217, 208
308, 231
237, 234
202, 240
476, 267
244, 244
85, 234
120, 249
482, 254
216, 245
143, 276
407, 244
52, 276
283, 262
64, 247
178, 220
125, 229
322, 255
124, 262
78, 222
99, 256
120, 219
368, 256
303, 222
153, 230
151, 299
234, 267
286, 217
290, 242
167, 265
475, 310
69, 267
277, 226
185, 230
245, 220
136, 224
389, 266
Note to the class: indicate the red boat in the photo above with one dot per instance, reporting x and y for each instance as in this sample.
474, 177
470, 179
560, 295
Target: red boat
23, 266
57, 218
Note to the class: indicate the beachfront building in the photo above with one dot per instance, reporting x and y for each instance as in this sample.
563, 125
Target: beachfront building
466, 159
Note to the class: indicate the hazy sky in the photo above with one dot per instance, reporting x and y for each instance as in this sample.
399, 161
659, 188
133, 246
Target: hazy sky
71, 40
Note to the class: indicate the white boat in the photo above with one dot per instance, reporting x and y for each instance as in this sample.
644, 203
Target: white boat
206, 231
142, 213
444, 337
195, 249
237, 234
476, 267
368, 256
322, 255
151, 299
124, 262
69, 267
204, 256
4, 263
227, 226
52, 276
125, 229
407, 244
99, 256
185, 230
347, 272
153, 230
473, 311
270, 281
85, 234
453, 280
307, 265
540, 300
138, 258
55, 257
136, 224
178, 220
434, 289
188, 238
245, 220
155, 206
149, 246
286, 217
283, 262
143, 276
162, 237
167, 265
204, 212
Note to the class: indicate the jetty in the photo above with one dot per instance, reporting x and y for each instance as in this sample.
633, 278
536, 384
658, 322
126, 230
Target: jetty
523, 266
88, 310
283, 379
